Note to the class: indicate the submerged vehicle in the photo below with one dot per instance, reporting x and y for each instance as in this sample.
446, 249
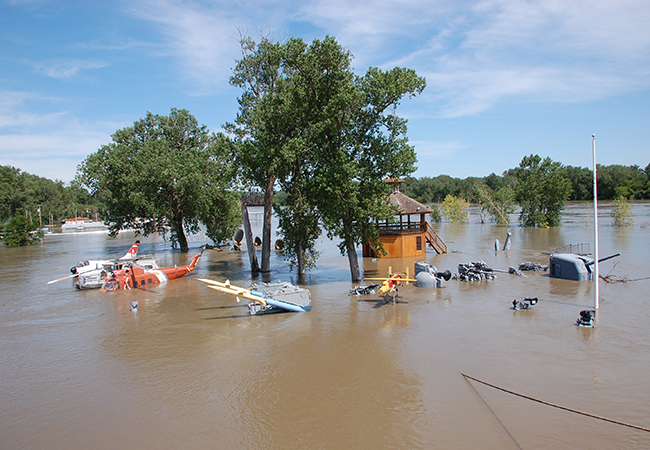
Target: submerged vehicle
428, 275
96, 279
524, 303
84, 267
146, 272
570, 266
267, 298
91, 273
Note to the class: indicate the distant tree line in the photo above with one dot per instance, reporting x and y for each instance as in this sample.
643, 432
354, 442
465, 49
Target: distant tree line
614, 181
23, 194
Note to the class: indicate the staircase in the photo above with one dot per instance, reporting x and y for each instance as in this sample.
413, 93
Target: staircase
434, 240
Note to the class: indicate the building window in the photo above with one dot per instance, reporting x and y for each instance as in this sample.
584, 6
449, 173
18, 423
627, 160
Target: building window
419, 242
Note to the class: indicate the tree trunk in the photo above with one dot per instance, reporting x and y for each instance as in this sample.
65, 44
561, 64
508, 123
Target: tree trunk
266, 230
301, 262
250, 245
180, 236
353, 260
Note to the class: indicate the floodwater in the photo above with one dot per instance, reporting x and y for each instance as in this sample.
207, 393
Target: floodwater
191, 369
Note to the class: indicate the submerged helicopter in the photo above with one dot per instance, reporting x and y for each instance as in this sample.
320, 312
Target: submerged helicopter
389, 285
92, 273
138, 275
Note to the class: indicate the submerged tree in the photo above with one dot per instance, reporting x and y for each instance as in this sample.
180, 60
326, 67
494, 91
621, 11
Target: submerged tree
259, 132
621, 212
164, 174
455, 209
325, 135
362, 143
498, 204
21, 231
542, 191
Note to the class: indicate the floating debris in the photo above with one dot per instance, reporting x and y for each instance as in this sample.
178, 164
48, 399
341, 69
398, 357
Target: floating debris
428, 275
524, 303
586, 318
475, 271
531, 266
364, 290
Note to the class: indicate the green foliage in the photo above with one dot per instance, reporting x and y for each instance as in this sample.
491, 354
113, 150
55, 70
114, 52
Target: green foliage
499, 205
428, 189
21, 191
542, 190
630, 182
299, 224
582, 183
363, 143
327, 136
435, 215
20, 232
165, 173
455, 209
621, 212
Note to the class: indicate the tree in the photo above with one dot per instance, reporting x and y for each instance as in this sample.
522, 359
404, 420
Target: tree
582, 181
165, 173
326, 136
259, 136
621, 212
21, 231
362, 143
499, 205
542, 191
455, 209
21, 191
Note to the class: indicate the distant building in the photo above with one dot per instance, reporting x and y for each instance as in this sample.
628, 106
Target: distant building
409, 232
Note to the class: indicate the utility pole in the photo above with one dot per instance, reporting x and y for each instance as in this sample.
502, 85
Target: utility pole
596, 272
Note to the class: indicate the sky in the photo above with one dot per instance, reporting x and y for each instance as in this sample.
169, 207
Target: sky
505, 78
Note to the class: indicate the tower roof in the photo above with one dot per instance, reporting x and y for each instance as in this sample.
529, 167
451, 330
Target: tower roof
407, 205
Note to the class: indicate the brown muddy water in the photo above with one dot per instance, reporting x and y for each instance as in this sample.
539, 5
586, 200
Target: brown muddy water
191, 369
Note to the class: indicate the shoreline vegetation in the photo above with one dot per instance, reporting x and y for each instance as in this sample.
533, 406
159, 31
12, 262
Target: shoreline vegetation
23, 193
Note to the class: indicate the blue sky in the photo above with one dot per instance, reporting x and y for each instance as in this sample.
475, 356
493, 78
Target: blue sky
505, 78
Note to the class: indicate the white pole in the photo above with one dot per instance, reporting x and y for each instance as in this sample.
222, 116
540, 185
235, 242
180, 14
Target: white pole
596, 274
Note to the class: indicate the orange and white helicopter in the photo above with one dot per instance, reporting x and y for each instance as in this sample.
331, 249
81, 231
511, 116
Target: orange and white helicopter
92, 273
139, 275
389, 285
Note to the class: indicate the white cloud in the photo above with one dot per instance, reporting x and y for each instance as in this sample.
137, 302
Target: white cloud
477, 53
540, 51
64, 70
51, 144
200, 36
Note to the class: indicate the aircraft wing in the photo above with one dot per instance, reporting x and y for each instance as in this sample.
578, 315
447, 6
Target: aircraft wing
233, 290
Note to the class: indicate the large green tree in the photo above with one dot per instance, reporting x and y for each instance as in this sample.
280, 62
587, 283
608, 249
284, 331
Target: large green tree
165, 174
542, 191
326, 136
361, 143
260, 131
